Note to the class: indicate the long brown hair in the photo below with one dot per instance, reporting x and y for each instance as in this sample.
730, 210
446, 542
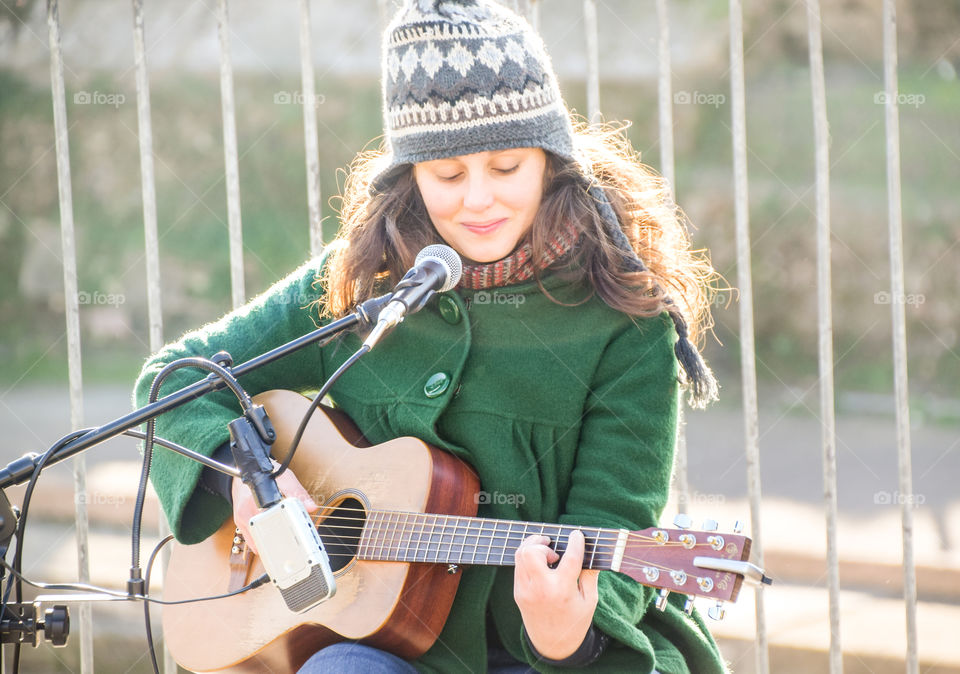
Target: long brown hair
383, 230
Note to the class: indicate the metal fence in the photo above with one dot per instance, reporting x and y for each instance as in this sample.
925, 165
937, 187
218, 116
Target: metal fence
666, 126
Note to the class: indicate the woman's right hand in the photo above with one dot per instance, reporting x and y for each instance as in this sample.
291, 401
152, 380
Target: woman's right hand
245, 507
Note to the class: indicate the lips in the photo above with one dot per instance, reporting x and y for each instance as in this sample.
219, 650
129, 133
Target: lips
484, 227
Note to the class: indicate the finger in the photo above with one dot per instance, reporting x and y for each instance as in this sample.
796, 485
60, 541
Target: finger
532, 558
244, 508
535, 539
538, 552
572, 561
291, 487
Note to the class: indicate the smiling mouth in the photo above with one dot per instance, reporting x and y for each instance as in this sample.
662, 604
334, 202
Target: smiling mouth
484, 227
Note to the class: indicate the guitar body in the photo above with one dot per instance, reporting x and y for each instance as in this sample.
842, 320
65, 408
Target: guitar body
396, 606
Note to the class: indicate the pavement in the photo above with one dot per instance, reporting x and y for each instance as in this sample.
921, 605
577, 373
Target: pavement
872, 630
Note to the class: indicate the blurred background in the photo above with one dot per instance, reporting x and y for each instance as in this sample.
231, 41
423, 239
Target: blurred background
182, 59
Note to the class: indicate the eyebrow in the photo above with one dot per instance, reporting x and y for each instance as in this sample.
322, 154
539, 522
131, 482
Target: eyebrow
456, 160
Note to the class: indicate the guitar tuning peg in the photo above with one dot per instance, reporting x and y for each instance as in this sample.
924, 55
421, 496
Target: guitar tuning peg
738, 527
710, 525
662, 599
717, 612
688, 605
682, 521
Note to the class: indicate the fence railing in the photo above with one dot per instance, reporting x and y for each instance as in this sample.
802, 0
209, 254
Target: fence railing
594, 105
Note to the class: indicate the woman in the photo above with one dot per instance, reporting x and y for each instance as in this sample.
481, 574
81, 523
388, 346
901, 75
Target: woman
553, 369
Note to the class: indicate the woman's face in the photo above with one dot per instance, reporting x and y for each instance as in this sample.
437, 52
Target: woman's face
482, 204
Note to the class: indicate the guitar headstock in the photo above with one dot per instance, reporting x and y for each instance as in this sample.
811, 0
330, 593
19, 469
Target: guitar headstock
694, 563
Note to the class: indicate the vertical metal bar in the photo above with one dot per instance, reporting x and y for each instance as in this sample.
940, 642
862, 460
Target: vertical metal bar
147, 182
151, 239
897, 309
311, 143
72, 310
230, 157
665, 97
681, 483
534, 14
821, 132
593, 60
745, 283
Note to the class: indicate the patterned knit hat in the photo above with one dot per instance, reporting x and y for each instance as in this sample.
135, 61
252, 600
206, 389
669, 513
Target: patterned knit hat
466, 76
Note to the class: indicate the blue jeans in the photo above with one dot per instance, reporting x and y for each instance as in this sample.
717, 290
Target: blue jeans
348, 657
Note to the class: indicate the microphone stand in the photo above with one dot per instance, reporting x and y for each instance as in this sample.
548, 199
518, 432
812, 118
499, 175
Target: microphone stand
19, 623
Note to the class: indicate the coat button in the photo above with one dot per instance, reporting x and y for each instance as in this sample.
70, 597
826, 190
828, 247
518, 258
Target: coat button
449, 309
436, 384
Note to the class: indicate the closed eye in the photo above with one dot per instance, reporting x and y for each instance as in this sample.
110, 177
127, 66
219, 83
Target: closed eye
508, 171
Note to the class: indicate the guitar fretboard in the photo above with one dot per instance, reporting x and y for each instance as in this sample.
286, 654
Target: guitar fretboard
420, 537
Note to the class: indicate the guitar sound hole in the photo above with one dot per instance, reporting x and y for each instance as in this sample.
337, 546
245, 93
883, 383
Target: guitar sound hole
340, 532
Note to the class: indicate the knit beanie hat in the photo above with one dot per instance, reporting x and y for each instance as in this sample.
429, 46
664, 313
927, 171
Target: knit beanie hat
466, 76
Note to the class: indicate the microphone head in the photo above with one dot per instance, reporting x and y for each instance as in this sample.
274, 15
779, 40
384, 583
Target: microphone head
447, 258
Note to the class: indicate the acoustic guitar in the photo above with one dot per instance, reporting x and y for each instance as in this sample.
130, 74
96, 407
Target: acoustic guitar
398, 521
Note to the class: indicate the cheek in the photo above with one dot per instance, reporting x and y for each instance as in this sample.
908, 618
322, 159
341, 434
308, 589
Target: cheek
522, 197
442, 202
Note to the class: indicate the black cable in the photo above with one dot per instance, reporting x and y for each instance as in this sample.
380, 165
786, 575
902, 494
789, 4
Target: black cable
146, 604
24, 511
314, 405
21, 530
245, 402
119, 595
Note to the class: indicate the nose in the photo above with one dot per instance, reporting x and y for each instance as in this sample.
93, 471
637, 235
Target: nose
479, 196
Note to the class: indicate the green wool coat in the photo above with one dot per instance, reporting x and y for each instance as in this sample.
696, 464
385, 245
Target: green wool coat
567, 414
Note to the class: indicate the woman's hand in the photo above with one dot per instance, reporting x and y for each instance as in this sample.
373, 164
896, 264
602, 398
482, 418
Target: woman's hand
245, 507
557, 604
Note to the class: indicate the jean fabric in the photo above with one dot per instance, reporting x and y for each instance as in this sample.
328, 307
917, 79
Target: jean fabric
348, 657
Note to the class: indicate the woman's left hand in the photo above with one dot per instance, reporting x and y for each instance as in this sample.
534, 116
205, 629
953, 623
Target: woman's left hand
557, 604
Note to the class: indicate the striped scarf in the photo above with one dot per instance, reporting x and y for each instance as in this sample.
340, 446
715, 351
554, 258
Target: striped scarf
519, 265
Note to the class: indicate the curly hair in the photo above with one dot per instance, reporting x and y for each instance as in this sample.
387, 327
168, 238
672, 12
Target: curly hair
384, 227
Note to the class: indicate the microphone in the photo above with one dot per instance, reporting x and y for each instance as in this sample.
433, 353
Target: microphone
437, 268
287, 541
293, 554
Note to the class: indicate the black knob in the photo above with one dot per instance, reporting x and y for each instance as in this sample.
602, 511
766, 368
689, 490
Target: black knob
56, 625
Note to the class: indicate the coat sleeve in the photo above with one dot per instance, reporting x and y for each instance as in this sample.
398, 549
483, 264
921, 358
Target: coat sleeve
277, 316
621, 479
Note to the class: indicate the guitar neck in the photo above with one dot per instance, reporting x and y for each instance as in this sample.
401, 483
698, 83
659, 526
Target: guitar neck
445, 539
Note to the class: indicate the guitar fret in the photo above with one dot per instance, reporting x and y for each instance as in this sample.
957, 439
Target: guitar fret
379, 536
440, 546
506, 541
593, 549
396, 535
370, 534
381, 532
403, 534
416, 551
364, 540
433, 528
476, 543
489, 543
463, 542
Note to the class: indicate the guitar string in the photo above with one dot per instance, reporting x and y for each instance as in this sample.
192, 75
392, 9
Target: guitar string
482, 526
401, 525
415, 524
318, 520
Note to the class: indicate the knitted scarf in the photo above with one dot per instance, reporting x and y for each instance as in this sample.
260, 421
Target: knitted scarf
519, 265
